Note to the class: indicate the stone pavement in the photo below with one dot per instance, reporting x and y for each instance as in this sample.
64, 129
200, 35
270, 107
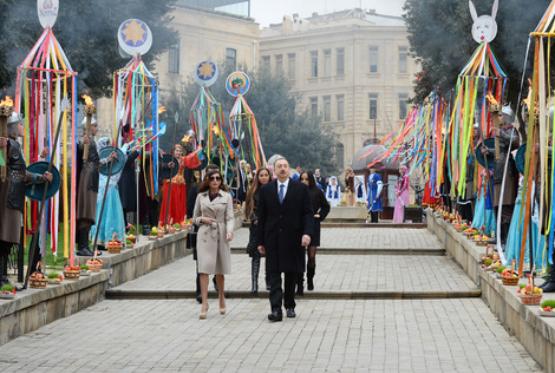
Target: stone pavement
376, 335
327, 336
353, 238
334, 273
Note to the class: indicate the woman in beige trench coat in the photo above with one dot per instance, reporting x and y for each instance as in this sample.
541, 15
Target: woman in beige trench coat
214, 215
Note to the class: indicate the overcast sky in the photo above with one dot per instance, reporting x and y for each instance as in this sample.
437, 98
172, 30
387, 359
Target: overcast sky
272, 11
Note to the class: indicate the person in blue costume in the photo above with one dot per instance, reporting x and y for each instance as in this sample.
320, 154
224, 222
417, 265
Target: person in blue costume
113, 222
516, 230
375, 186
484, 217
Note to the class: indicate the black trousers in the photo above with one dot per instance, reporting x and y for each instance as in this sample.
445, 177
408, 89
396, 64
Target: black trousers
465, 211
279, 296
374, 216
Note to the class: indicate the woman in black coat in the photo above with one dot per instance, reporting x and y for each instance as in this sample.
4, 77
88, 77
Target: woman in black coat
321, 209
262, 178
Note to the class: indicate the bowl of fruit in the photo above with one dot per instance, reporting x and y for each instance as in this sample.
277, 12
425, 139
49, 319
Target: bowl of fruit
95, 264
7, 291
177, 227
131, 238
469, 232
37, 280
509, 277
153, 233
481, 239
72, 272
114, 246
547, 308
530, 294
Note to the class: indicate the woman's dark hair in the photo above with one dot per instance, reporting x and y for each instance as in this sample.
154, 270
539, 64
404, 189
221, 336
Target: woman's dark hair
249, 200
206, 182
311, 178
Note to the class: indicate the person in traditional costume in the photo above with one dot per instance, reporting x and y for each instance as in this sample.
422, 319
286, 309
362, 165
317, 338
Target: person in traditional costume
506, 136
402, 194
112, 224
333, 192
12, 192
349, 187
127, 184
176, 201
360, 189
87, 187
374, 202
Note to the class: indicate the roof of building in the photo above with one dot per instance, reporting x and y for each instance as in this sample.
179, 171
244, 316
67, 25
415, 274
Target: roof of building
211, 7
356, 16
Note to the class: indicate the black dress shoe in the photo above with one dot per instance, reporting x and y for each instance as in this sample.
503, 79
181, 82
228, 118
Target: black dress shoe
84, 252
275, 316
549, 287
199, 299
291, 313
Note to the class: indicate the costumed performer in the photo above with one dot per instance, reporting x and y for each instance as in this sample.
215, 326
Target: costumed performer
113, 222
402, 194
333, 192
177, 201
375, 187
12, 192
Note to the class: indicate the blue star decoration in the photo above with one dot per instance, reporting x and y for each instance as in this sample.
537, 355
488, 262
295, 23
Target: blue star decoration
134, 33
206, 70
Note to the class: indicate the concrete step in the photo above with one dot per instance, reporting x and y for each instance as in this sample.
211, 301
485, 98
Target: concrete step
340, 276
363, 224
120, 294
370, 251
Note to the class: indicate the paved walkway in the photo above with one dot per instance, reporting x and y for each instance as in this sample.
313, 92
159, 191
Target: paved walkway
447, 335
335, 273
353, 238
327, 336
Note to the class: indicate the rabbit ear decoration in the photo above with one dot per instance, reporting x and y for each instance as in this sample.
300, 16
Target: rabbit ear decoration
473, 11
494, 9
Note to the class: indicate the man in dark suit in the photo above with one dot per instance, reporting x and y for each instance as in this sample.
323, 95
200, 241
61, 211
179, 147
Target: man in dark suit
285, 223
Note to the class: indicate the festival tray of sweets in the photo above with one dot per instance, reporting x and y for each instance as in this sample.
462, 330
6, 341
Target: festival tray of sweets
7, 291
84, 270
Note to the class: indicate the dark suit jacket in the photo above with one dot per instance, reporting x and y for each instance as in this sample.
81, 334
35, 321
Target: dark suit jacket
281, 226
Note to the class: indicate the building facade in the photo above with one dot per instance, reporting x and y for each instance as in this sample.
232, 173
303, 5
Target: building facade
352, 68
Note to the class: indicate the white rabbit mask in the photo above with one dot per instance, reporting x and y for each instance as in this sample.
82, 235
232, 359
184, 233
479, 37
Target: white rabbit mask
484, 28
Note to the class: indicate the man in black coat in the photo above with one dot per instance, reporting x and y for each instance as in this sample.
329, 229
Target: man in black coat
285, 224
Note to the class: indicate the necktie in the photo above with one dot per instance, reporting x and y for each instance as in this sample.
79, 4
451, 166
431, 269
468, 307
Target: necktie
281, 193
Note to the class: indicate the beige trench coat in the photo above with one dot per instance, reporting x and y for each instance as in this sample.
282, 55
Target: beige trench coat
213, 252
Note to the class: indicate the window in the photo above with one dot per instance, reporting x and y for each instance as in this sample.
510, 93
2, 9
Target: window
314, 106
231, 58
373, 58
340, 66
327, 108
173, 59
373, 100
266, 63
403, 105
403, 58
291, 62
279, 64
340, 155
314, 64
327, 62
340, 101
